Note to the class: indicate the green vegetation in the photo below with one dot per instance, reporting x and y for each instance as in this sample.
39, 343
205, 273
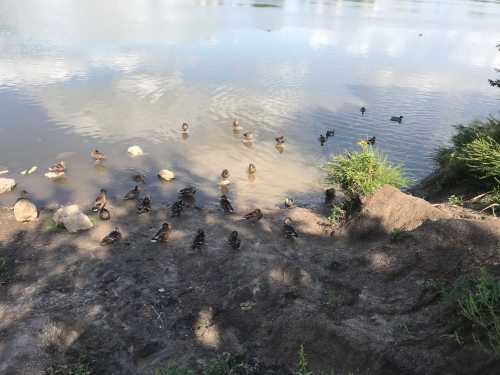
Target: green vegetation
264, 5
174, 370
474, 156
397, 234
363, 172
337, 214
478, 302
455, 200
302, 365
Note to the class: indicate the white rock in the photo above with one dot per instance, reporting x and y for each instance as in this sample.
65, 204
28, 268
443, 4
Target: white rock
32, 169
54, 175
72, 218
135, 151
5, 171
166, 175
7, 184
25, 210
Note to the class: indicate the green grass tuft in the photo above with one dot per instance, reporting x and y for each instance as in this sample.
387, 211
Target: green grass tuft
455, 200
363, 172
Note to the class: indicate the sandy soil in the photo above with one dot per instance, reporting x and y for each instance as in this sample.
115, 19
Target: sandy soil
133, 307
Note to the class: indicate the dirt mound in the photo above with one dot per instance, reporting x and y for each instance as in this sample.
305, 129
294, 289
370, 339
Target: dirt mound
390, 209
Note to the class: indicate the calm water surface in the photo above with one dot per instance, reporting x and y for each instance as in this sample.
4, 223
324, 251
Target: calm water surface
81, 74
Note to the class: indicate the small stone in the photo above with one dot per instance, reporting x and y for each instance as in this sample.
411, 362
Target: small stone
54, 175
6, 185
166, 175
135, 151
25, 210
161, 290
5, 171
72, 218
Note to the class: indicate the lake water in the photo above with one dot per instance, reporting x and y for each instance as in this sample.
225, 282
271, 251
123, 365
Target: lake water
81, 74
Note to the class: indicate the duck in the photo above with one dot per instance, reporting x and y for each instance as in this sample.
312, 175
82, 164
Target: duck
185, 128
163, 234
247, 137
226, 205
177, 208
225, 174
288, 230
289, 202
112, 237
100, 201
280, 140
280, 147
236, 126
97, 155
144, 206
104, 214
187, 192
397, 118
59, 167
330, 133
234, 240
362, 110
371, 140
199, 240
132, 194
322, 139
253, 216
252, 169
139, 178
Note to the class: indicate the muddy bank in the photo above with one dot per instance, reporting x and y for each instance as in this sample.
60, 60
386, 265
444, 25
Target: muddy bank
354, 301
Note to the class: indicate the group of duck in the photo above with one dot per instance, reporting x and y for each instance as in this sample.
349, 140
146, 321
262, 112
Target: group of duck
187, 195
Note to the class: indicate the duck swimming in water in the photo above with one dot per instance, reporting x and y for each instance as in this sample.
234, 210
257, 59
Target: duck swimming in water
144, 206
177, 208
252, 169
185, 128
112, 237
253, 216
234, 240
104, 214
236, 126
97, 155
226, 205
371, 141
163, 234
362, 110
397, 119
280, 140
199, 240
132, 194
322, 139
100, 201
59, 167
288, 230
330, 133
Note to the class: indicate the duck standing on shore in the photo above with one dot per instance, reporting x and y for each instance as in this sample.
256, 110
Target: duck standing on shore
163, 234
234, 240
132, 194
322, 139
112, 237
288, 230
226, 205
199, 240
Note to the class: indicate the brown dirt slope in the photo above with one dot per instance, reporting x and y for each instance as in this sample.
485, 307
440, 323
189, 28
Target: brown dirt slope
357, 306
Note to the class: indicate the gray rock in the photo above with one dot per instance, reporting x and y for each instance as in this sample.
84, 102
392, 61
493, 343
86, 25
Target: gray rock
25, 210
72, 218
6, 185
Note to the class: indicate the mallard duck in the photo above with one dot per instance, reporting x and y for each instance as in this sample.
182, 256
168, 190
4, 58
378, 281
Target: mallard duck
58, 167
289, 202
330, 133
226, 205
104, 214
251, 169
329, 195
100, 201
253, 216
185, 127
234, 240
139, 178
225, 174
187, 192
112, 237
199, 240
288, 230
397, 118
322, 139
177, 208
280, 140
163, 234
236, 126
362, 110
144, 206
97, 155
247, 137
371, 140
132, 194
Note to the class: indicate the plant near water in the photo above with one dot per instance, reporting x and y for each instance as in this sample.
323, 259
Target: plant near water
337, 214
455, 200
302, 365
363, 172
397, 234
